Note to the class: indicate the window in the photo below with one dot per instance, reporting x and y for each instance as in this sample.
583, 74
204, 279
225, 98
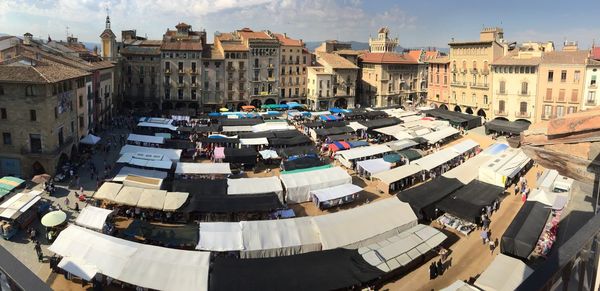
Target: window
193, 79
6, 138
561, 95
256, 63
32, 115
180, 94
180, 66
547, 111
29, 91
485, 99
593, 81
72, 127
167, 66
80, 101
61, 137
523, 107
576, 76
193, 94
550, 76
194, 66
502, 87
591, 98
563, 78
548, 95
180, 79
473, 99
464, 96
524, 90
574, 95
571, 109
1, 90
501, 106
560, 111
3, 113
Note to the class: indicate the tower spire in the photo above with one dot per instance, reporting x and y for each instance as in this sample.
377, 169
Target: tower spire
107, 19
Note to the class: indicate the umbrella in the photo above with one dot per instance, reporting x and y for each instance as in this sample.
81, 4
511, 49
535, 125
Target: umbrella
54, 218
39, 179
392, 158
223, 109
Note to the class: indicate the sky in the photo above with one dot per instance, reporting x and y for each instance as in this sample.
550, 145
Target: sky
416, 23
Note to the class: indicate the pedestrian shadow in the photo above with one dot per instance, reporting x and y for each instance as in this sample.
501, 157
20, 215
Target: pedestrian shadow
60, 192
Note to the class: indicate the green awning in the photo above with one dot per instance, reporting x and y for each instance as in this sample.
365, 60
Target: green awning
410, 154
3, 192
9, 183
307, 169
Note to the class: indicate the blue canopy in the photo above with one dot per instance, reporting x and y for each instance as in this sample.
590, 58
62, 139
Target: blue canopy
358, 143
328, 117
292, 105
338, 110
214, 114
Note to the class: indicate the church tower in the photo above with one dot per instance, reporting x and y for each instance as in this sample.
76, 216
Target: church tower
109, 42
382, 43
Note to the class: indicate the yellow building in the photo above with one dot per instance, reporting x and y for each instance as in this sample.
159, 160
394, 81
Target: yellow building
515, 78
332, 83
294, 60
470, 89
561, 82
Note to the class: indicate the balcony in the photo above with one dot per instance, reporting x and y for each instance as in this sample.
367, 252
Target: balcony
500, 113
458, 84
194, 72
230, 69
523, 114
593, 86
473, 71
480, 86
167, 71
181, 71
500, 92
525, 94
180, 85
590, 102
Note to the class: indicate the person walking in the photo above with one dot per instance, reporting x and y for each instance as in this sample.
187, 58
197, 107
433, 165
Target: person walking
38, 251
432, 271
484, 236
67, 202
440, 268
492, 246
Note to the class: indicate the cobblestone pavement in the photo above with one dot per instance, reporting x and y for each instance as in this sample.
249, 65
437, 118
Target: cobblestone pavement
20, 245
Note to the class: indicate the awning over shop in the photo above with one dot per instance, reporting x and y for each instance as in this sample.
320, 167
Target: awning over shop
299, 185
146, 138
512, 127
93, 217
203, 168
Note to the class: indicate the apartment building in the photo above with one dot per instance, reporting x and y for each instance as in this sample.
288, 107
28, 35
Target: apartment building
235, 57
331, 82
294, 61
438, 86
592, 75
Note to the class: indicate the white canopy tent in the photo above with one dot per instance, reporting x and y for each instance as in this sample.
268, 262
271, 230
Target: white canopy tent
362, 226
146, 138
335, 192
549, 198
401, 144
268, 154
220, 236
108, 191
93, 217
19, 203
254, 141
467, 171
402, 249
152, 199
298, 185
436, 159
146, 160
255, 186
171, 154
356, 125
158, 125
441, 134
281, 237
503, 274
505, 166
371, 167
391, 130
134, 263
464, 146
78, 268
272, 126
142, 182
394, 175
203, 168
237, 128
409, 118
127, 171
90, 139
174, 200
129, 196
346, 157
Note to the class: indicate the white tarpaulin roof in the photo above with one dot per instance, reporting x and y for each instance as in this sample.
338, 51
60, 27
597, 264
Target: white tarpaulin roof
129, 196
410, 118
268, 154
146, 138
90, 139
460, 286
503, 274
467, 171
126, 171
92, 217
220, 236
361, 152
142, 182
237, 128
19, 203
174, 200
255, 186
254, 141
78, 268
335, 192
299, 185
146, 160
436, 159
401, 144
157, 125
272, 126
391, 130
356, 126
108, 191
401, 249
549, 198
134, 263
171, 154
514, 165
373, 166
203, 168
464, 146
152, 199
399, 173
443, 133
364, 225
402, 135
270, 238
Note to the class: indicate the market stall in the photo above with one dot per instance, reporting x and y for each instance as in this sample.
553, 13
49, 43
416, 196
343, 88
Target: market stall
423, 198
8, 184
368, 168
397, 178
503, 170
303, 162
298, 185
502, 126
503, 274
521, 236
334, 196
173, 155
203, 169
245, 186
467, 202
348, 158
145, 140
93, 217
18, 211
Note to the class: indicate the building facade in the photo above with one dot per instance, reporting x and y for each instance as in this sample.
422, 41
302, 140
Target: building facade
263, 69
592, 75
331, 82
470, 83
230, 48
108, 42
294, 61
561, 82
438, 87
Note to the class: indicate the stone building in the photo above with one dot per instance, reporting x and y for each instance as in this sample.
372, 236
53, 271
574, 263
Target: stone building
331, 82
294, 61
37, 109
561, 82
230, 48
592, 75
470, 90
181, 69
438, 86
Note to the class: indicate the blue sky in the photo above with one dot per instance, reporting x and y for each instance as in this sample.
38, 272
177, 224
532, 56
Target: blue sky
415, 23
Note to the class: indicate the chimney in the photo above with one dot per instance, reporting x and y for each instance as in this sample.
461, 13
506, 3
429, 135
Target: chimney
285, 35
27, 37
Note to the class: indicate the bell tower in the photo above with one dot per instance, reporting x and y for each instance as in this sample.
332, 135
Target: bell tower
383, 43
109, 41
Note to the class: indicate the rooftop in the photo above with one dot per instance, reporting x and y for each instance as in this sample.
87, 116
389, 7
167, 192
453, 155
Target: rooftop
287, 41
335, 61
513, 59
565, 57
440, 60
181, 46
28, 70
387, 58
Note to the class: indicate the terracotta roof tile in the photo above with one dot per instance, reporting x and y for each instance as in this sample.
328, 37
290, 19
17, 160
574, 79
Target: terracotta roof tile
387, 58
440, 60
181, 46
415, 54
350, 52
43, 71
562, 57
287, 41
596, 53
249, 34
234, 46
513, 59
